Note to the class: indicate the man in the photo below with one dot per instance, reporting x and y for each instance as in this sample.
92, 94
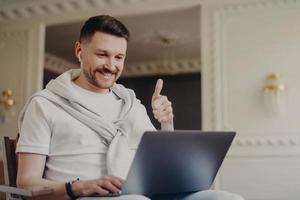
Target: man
79, 135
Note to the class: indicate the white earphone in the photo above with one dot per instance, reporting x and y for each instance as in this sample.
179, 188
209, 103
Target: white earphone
79, 56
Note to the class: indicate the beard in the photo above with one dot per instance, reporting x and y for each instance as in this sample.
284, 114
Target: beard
101, 84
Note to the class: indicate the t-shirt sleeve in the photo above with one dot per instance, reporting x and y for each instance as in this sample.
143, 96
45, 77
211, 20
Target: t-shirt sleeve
35, 132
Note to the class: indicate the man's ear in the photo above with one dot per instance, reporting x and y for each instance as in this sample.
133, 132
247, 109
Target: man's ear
79, 56
78, 51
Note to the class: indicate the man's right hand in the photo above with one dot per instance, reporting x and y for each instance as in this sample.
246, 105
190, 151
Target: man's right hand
30, 173
102, 187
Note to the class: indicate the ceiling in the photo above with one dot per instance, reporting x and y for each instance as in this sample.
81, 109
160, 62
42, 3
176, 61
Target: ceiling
182, 27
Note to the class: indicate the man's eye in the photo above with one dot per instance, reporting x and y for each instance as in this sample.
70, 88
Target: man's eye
101, 54
119, 57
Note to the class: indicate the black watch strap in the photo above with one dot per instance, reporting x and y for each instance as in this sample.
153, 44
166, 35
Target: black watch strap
69, 190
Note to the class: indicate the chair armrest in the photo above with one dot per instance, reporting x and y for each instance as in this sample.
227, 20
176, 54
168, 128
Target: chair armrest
37, 191
34, 191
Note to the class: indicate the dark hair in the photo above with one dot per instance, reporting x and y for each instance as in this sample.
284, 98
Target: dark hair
105, 24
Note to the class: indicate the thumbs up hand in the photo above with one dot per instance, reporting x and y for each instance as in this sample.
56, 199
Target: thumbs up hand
162, 108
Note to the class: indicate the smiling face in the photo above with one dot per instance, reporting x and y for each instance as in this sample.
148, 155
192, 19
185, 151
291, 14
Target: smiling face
102, 61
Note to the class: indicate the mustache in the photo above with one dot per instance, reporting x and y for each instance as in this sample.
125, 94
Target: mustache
105, 70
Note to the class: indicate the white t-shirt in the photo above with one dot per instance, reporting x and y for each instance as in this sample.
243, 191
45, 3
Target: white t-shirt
108, 104
71, 153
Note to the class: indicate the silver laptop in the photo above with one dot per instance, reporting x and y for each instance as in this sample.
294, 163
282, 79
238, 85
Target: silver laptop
176, 162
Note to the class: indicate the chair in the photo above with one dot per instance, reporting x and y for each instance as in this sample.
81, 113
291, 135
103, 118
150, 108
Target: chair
10, 166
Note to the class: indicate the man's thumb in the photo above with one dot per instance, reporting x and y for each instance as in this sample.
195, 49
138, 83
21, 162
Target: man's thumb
158, 88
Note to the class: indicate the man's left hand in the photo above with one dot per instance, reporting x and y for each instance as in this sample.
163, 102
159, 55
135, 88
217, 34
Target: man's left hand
162, 108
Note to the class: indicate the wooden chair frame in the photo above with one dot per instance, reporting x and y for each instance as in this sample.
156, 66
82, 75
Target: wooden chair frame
10, 165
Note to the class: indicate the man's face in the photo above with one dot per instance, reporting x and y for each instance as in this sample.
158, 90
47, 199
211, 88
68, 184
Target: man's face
102, 60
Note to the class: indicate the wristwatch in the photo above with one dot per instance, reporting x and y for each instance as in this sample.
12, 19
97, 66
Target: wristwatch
69, 190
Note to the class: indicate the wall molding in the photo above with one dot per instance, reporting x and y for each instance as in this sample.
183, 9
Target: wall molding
272, 141
265, 146
261, 5
57, 64
158, 68
16, 10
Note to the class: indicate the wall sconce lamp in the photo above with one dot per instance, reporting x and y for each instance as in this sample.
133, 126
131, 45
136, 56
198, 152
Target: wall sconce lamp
275, 93
7, 104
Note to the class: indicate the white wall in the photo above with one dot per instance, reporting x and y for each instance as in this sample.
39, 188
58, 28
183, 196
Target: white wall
245, 43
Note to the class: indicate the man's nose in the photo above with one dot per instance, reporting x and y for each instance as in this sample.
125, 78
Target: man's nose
110, 64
